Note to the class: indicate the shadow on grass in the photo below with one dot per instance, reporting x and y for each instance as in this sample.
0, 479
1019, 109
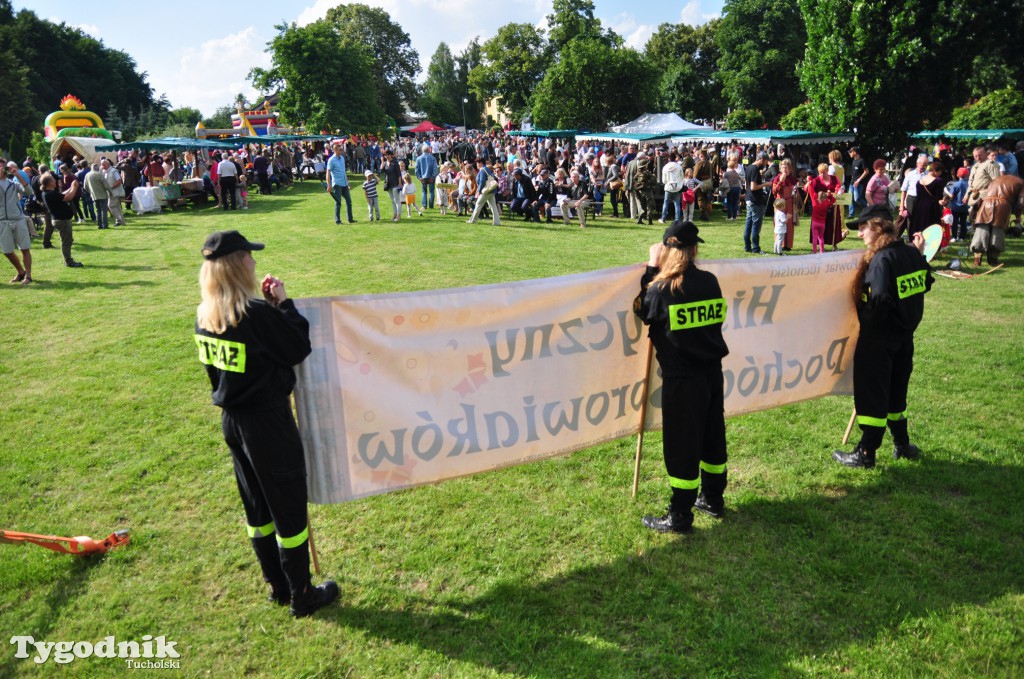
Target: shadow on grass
778, 581
83, 285
72, 582
90, 247
559, 225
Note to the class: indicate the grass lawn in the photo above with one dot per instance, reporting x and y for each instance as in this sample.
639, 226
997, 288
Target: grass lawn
910, 569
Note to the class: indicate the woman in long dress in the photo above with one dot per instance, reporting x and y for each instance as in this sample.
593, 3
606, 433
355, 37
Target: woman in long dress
784, 187
827, 183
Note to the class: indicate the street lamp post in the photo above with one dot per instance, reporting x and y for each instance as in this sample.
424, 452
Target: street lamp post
465, 130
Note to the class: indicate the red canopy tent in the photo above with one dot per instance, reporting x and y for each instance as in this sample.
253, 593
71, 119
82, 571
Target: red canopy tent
427, 126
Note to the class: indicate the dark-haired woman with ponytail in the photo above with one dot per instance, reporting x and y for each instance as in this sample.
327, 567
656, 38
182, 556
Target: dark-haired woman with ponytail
685, 309
889, 289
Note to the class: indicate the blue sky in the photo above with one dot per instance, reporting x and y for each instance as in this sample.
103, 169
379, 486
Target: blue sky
203, 64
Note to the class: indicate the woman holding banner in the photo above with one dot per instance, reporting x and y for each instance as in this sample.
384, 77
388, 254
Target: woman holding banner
889, 290
685, 309
249, 347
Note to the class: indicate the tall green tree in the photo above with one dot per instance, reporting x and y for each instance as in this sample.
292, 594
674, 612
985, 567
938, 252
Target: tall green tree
996, 42
324, 82
593, 85
17, 116
761, 44
514, 63
574, 20
395, 62
874, 67
466, 61
687, 59
59, 59
442, 92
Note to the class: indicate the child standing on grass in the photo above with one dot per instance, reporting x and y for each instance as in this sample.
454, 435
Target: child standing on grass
370, 189
409, 192
447, 176
243, 192
689, 199
780, 224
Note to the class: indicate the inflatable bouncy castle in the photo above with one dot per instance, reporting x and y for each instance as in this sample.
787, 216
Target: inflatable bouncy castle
255, 123
73, 120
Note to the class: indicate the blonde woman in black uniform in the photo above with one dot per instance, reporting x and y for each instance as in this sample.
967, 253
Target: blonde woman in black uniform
249, 347
685, 309
890, 287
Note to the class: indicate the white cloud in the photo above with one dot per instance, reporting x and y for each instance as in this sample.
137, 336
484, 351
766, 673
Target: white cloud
89, 29
210, 75
639, 37
691, 13
635, 35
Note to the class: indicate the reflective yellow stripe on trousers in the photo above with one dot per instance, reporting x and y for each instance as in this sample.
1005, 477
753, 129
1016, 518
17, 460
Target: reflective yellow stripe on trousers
260, 531
293, 542
684, 484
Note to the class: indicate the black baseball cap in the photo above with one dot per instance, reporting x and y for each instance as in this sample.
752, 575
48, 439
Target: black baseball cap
870, 212
684, 232
220, 243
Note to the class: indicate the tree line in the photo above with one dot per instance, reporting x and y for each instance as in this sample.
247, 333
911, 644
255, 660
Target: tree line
879, 69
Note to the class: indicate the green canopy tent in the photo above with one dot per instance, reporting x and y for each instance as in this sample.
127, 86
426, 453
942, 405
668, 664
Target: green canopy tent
787, 137
275, 138
544, 133
167, 144
975, 135
624, 137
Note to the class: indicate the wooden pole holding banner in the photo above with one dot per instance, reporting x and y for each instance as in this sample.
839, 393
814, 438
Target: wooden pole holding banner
312, 547
643, 417
849, 427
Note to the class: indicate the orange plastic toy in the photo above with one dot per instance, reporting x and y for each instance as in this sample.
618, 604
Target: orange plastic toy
82, 545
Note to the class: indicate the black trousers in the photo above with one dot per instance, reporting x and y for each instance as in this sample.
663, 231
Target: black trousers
693, 421
264, 181
881, 373
270, 469
227, 191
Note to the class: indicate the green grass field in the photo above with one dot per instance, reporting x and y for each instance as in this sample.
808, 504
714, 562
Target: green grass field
911, 569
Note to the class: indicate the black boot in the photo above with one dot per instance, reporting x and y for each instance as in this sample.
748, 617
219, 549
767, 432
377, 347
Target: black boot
859, 457
712, 507
672, 522
279, 594
313, 599
269, 557
907, 451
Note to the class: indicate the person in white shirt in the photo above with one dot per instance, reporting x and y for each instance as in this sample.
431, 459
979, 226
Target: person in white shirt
672, 178
909, 186
115, 183
227, 174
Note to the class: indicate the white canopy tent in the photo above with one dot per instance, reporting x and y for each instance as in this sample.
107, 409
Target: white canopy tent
85, 147
657, 123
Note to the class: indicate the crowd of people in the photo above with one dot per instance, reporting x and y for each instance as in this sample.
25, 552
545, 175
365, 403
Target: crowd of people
544, 179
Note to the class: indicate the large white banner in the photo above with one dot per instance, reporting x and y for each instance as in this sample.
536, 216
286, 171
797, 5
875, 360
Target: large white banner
413, 388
